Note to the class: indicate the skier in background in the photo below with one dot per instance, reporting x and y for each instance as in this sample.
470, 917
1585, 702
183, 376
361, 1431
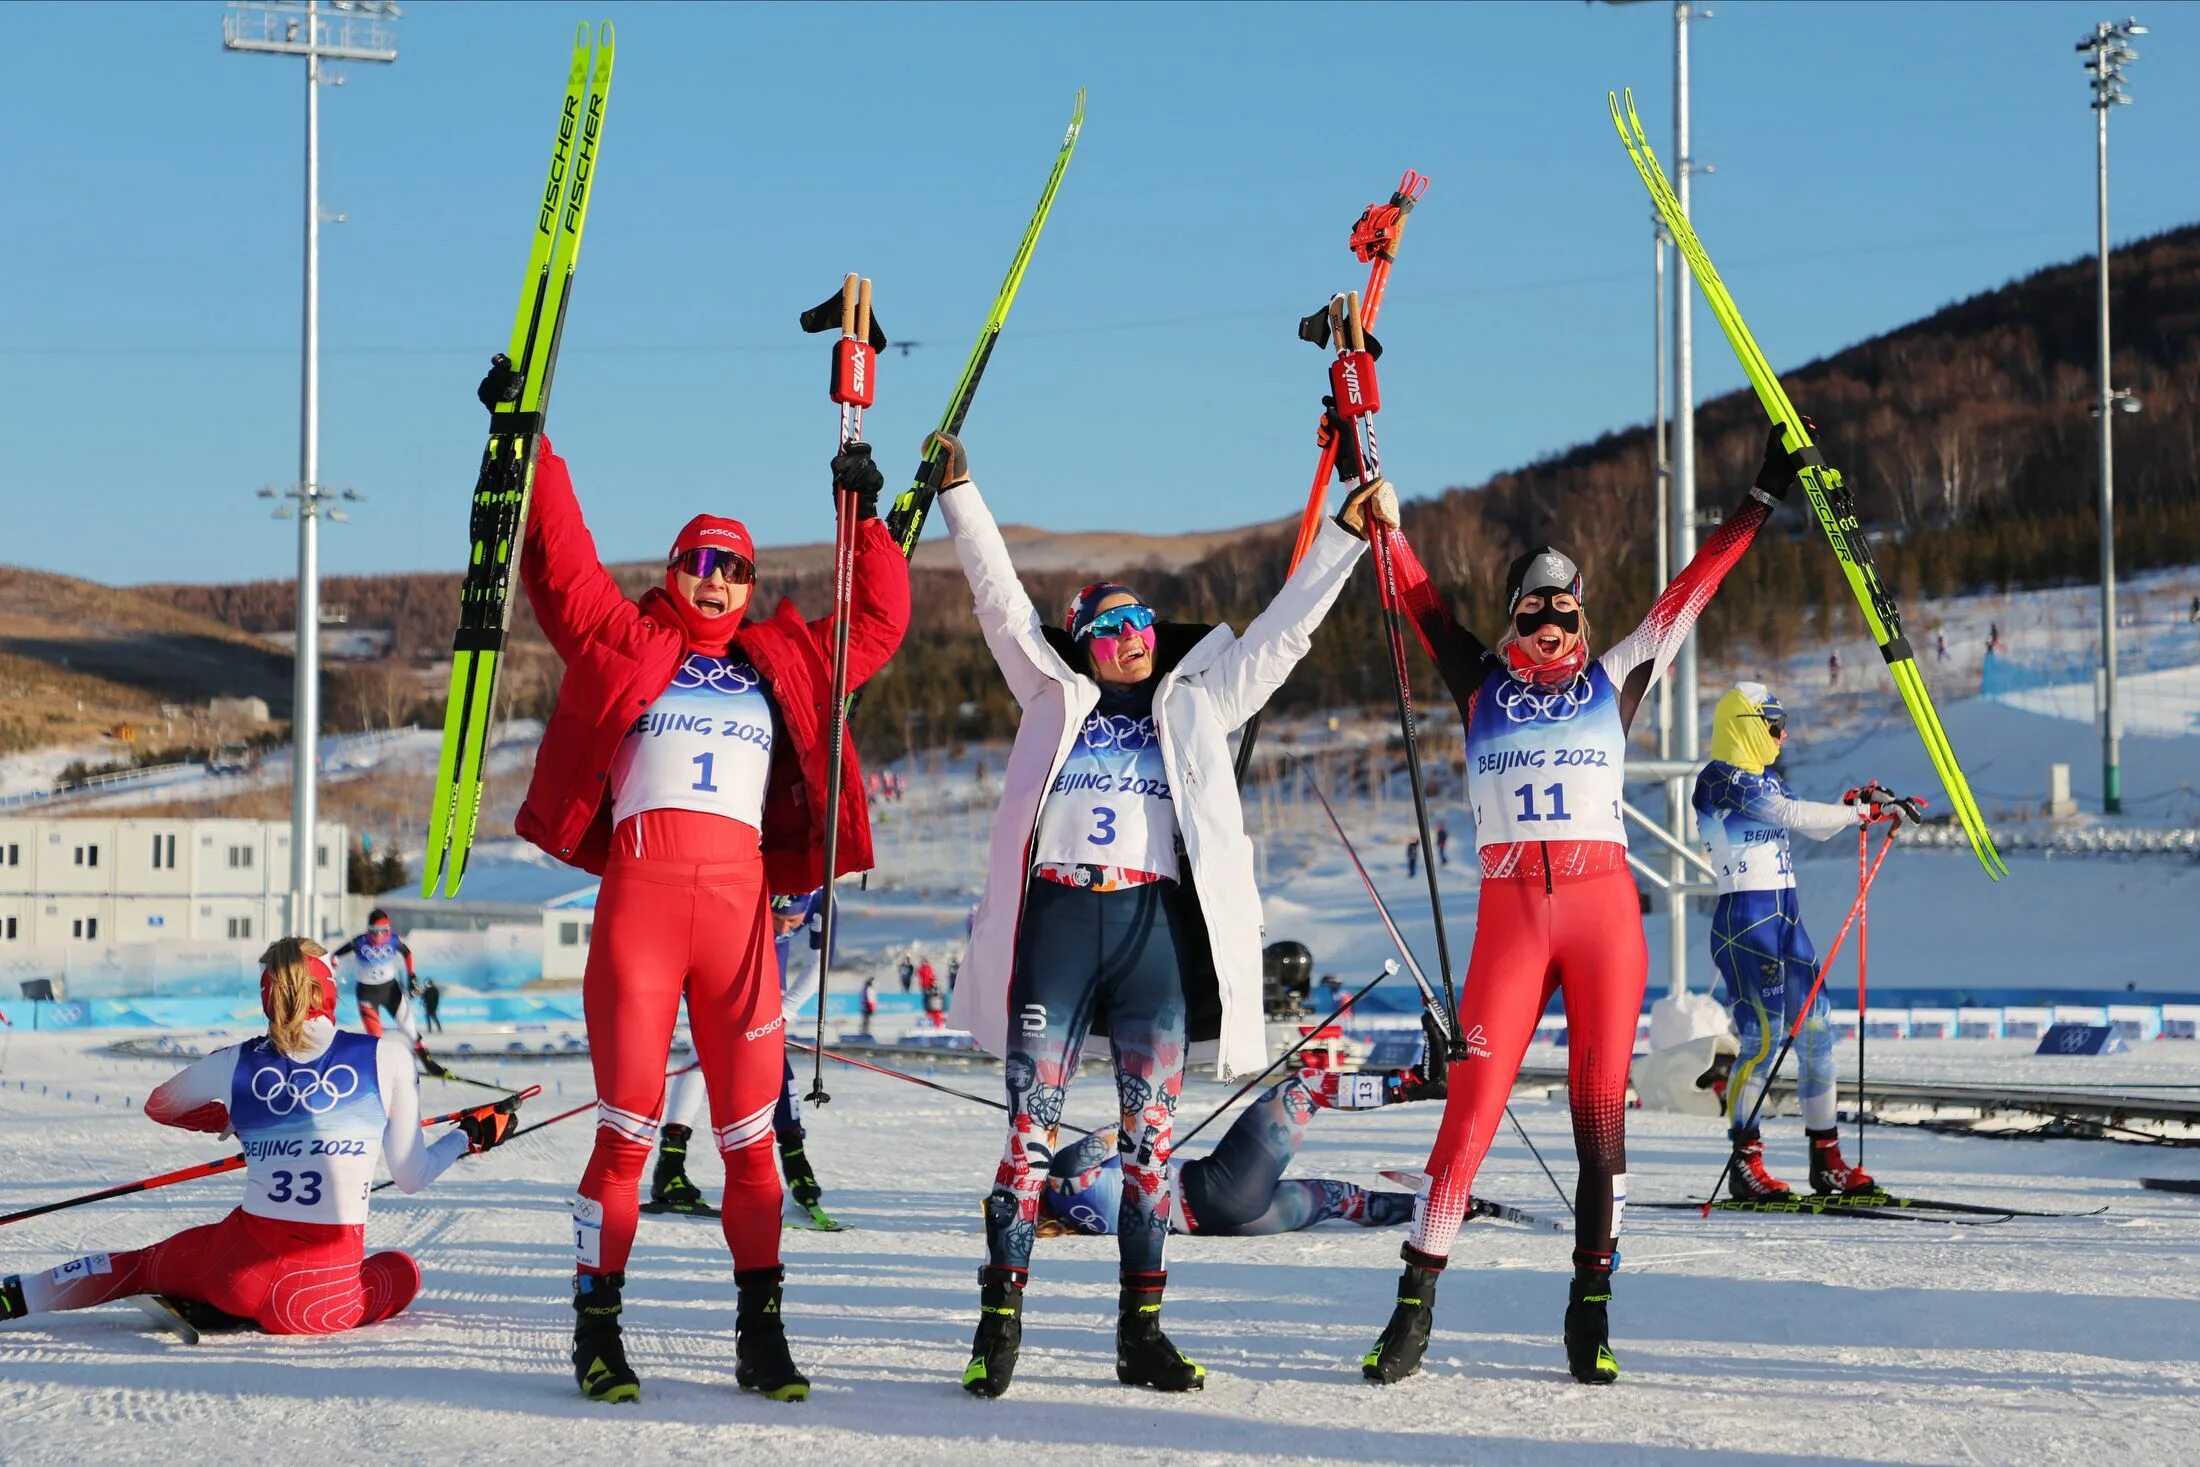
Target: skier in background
1238, 1189
431, 999
1413, 858
316, 1109
1747, 815
1443, 843
1546, 743
383, 982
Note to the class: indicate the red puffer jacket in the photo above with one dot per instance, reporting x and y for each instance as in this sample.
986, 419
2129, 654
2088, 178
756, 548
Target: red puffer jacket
620, 655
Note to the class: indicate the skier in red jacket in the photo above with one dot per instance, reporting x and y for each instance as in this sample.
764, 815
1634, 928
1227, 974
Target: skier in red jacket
685, 762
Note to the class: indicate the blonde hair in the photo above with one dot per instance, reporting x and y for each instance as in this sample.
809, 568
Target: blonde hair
292, 989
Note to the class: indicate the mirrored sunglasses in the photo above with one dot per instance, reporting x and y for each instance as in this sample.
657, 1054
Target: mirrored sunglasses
1116, 620
737, 570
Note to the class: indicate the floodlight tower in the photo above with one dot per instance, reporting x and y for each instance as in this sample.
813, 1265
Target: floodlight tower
340, 30
2107, 54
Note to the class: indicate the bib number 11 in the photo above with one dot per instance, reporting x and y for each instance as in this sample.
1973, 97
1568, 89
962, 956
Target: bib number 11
1555, 793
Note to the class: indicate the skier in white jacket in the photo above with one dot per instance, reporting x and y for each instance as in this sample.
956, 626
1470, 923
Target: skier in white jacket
1119, 892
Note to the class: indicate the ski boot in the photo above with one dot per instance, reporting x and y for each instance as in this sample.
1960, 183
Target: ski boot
1588, 1332
599, 1357
1405, 1339
669, 1188
761, 1361
1000, 1331
803, 1188
1143, 1354
12, 1303
1747, 1180
1387, 1209
203, 1317
435, 1067
1829, 1173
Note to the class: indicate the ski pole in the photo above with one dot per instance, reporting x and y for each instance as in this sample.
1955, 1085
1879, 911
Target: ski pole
1863, 929
190, 1174
1390, 968
1444, 1027
1802, 1015
852, 386
913, 1079
1376, 235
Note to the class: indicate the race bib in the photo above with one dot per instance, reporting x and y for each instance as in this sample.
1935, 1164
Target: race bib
1110, 803
312, 1131
1547, 763
705, 745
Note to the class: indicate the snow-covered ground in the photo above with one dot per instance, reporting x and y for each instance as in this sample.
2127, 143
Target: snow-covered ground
1760, 1340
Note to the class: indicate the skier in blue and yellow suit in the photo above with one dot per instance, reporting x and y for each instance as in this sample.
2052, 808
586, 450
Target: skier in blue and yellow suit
1746, 813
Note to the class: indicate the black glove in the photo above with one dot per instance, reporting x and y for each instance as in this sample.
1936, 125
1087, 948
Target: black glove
950, 458
489, 1125
501, 385
1881, 803
1776, 475
854, 472
1338, 429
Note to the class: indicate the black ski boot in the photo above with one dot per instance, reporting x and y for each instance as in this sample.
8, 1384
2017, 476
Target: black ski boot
205, 1318
670, 1189
12, 1303
761, 1361
1588, 1332
1000, 1331
1405, 1339
801, 1180
1143, 1354
599, 1357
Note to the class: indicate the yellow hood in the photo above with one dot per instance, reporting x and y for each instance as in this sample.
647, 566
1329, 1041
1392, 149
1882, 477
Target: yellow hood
1738, 733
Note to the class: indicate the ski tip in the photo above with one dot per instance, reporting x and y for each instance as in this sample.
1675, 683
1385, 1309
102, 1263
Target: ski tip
607, 34
583, 33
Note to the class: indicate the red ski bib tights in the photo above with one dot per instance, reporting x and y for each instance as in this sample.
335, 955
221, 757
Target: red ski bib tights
687, 766
1559, 911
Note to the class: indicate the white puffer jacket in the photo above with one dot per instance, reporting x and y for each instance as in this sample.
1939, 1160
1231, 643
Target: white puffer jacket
1211, 691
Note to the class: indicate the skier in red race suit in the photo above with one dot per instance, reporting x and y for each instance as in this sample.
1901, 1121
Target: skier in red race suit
685, 762
315, 1109
1546, 743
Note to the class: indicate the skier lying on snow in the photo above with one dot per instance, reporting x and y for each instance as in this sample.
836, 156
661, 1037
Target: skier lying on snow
315, 1109
1747, 812
1238, 1190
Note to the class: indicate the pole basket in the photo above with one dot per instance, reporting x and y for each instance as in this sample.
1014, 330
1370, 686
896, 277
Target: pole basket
1352, 382
855, 372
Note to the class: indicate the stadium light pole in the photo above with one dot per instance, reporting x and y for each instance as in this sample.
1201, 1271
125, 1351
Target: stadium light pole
2107, 54
342, 30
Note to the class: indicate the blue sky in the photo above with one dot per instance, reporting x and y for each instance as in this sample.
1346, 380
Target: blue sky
1874, 162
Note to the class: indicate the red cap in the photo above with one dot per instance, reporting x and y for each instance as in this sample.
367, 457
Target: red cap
714, 532
324, 1005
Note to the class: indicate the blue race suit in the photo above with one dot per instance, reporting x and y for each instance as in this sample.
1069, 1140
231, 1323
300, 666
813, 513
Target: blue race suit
1757, 939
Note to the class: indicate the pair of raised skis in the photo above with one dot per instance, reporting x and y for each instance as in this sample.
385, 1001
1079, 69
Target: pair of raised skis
505, 481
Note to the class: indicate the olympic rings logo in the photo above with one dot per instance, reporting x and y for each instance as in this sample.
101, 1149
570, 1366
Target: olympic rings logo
319, 1091
1112, 731
716, 675
1524, 704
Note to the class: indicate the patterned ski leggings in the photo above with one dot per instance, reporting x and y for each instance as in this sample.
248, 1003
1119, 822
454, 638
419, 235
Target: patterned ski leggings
1081, 957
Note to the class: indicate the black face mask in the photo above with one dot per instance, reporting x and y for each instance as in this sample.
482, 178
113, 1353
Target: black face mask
1527, 623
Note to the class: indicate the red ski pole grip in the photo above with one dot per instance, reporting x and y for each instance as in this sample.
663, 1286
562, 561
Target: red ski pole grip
855, 372
1352, 383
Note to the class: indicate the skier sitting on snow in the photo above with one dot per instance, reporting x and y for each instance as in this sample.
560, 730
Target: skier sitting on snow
1238, 1190
315, 1109
1747, 814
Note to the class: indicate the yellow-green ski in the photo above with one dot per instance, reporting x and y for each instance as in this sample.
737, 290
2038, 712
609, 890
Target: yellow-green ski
1830, 498
507, 475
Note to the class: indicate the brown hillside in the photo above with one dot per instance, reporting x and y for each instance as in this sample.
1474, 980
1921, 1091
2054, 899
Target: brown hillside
77, 659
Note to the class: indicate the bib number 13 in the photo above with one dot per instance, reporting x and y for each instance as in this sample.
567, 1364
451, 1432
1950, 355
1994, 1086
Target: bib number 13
1555, 793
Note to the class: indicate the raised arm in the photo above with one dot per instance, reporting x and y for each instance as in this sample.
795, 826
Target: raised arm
1256, 664
1458, 653
1640, 658
574, 597
413, 1163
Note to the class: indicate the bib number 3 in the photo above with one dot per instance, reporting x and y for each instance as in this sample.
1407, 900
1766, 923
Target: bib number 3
1106, 834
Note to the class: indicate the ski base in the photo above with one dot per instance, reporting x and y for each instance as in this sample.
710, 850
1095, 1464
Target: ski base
165, 1317
681, 1209
1821, 1205
2189, 1185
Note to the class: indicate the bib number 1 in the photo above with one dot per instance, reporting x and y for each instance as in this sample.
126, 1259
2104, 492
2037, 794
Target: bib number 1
704, 784
1556, 793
